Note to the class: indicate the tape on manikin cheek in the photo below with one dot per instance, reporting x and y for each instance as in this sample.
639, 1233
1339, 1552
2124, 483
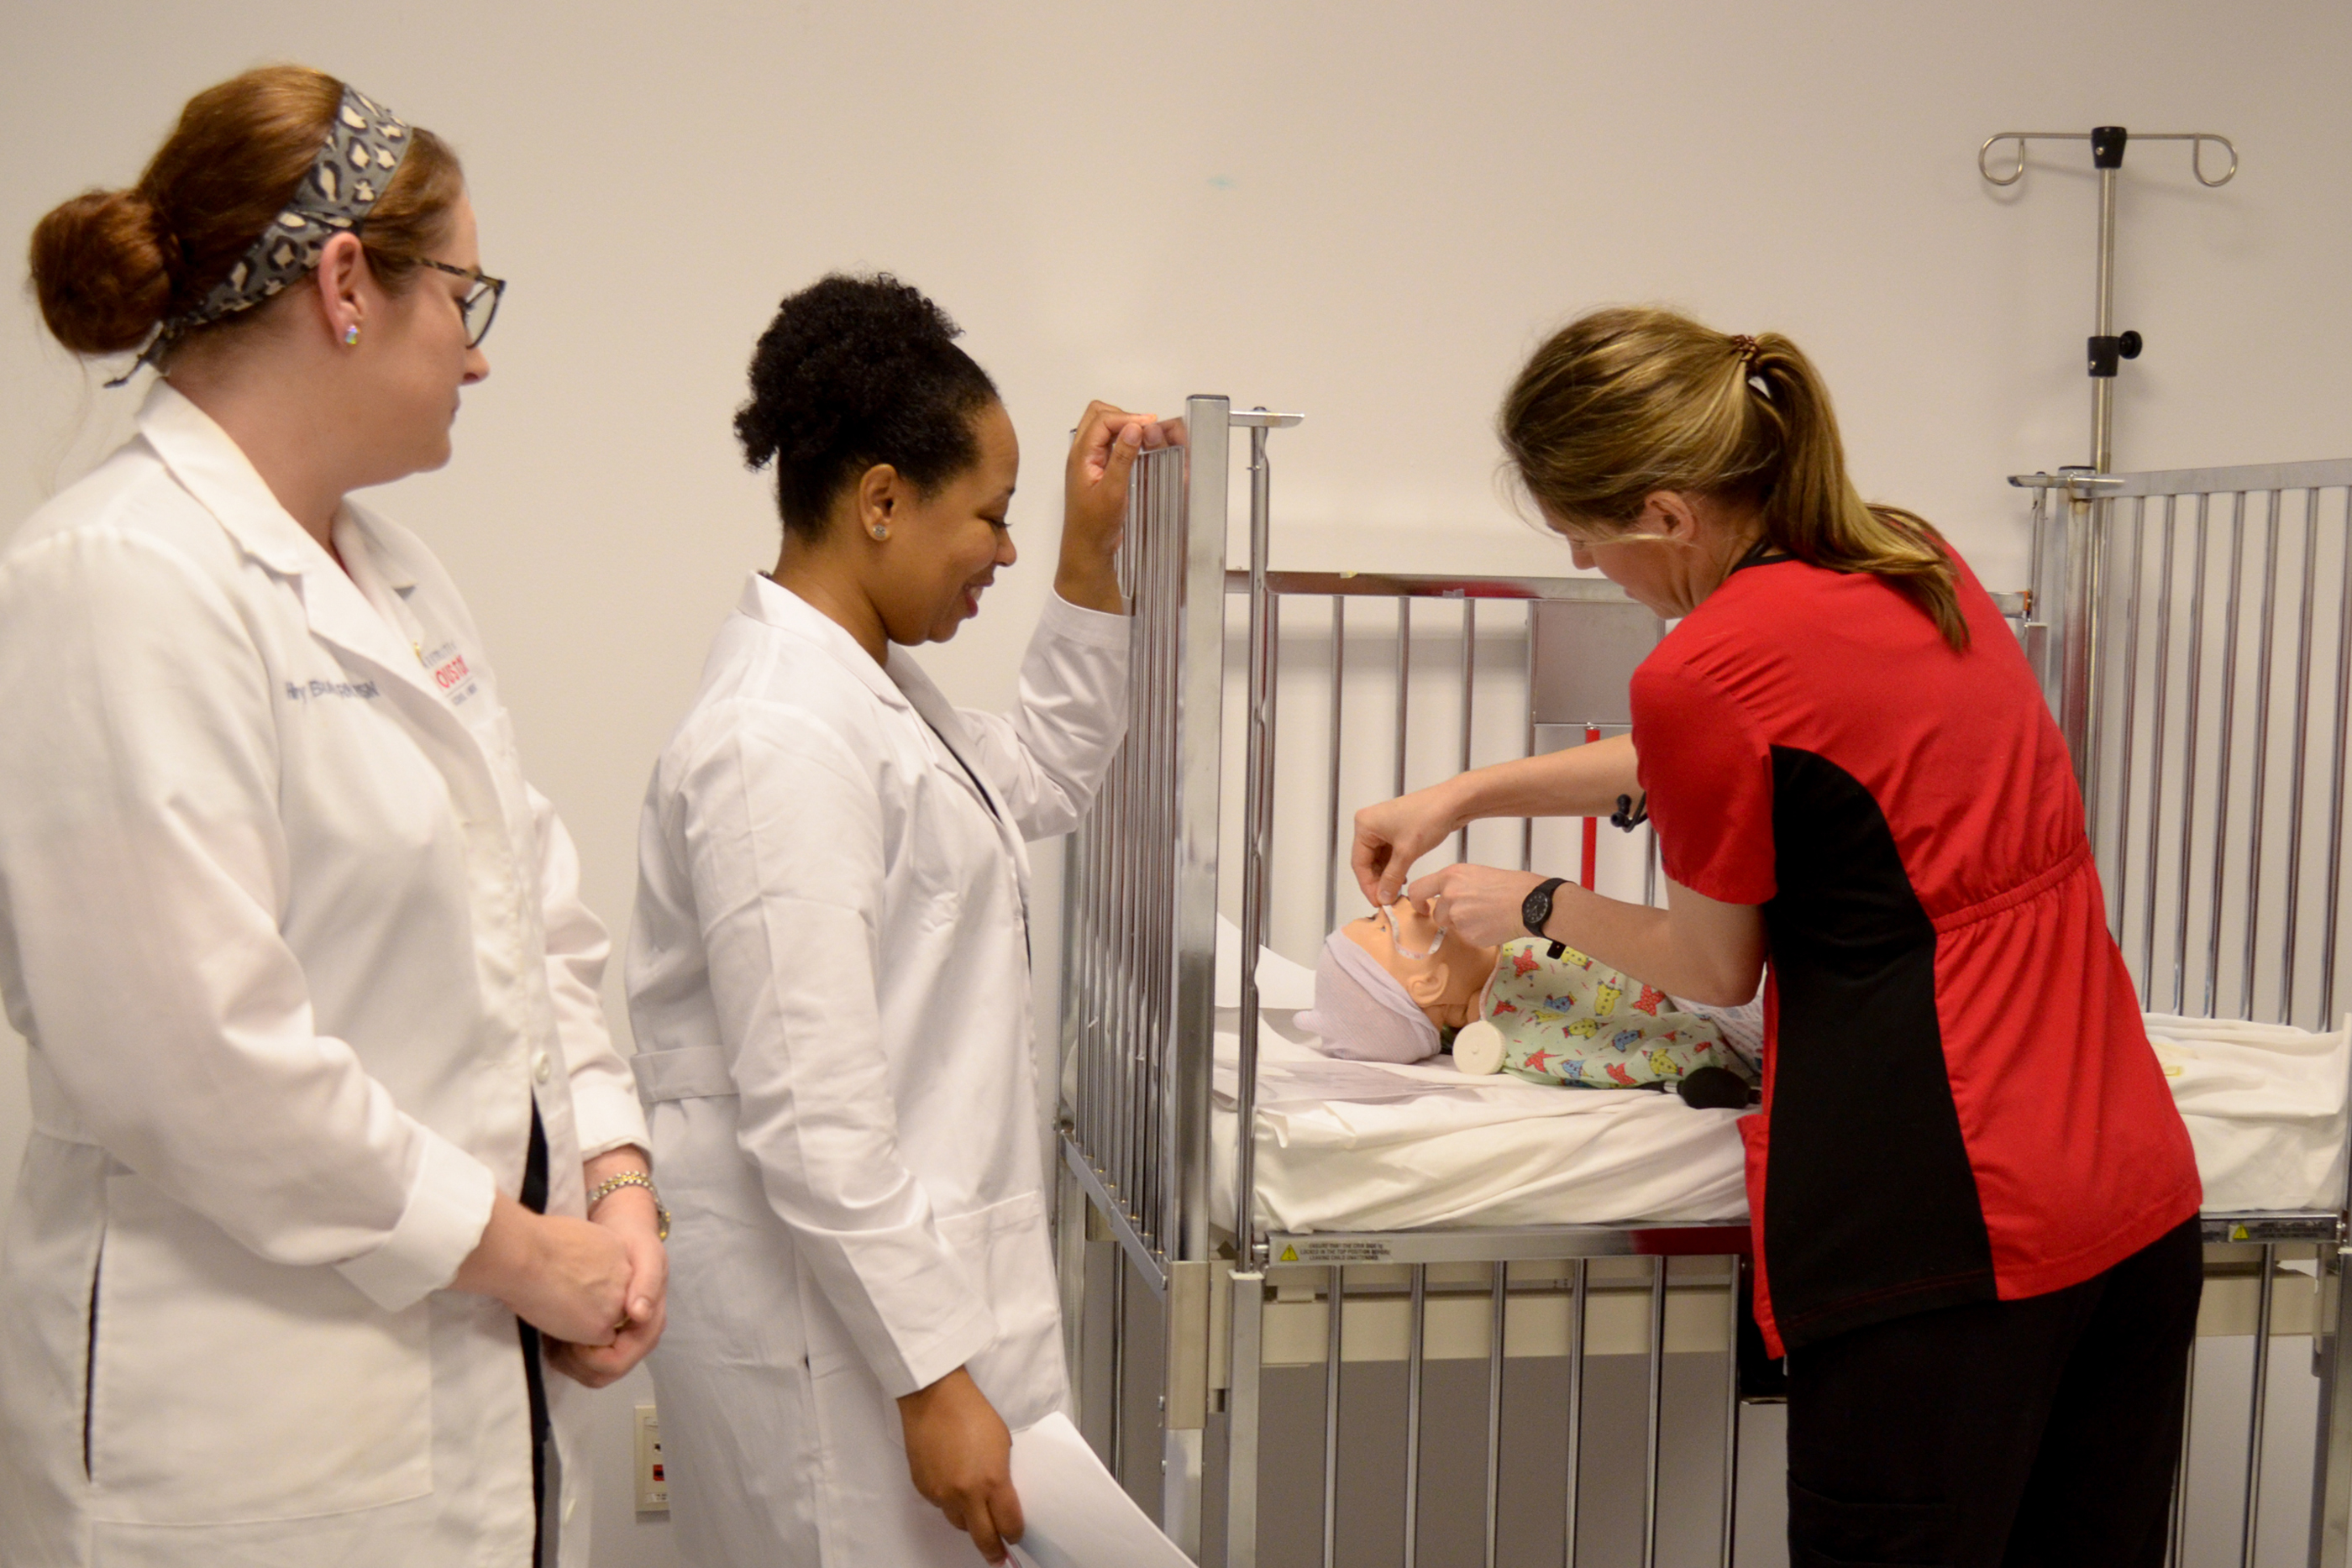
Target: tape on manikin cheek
1390, 925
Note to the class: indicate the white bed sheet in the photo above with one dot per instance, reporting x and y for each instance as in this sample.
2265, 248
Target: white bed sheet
1369, 1147
2265, 1107
1465, 1151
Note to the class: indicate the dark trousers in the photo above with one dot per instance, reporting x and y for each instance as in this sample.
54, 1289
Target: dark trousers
2001, 1433
534, 1366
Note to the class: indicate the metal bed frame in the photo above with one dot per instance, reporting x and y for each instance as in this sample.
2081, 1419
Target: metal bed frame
1174, 1321
2203, 814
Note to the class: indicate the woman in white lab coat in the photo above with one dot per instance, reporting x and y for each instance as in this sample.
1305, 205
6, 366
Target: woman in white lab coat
829, 965
311, 994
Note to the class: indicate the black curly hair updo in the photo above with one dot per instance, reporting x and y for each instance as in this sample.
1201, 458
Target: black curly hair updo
853, 372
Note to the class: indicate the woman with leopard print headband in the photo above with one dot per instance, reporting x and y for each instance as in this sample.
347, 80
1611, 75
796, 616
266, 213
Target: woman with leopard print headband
327, 1130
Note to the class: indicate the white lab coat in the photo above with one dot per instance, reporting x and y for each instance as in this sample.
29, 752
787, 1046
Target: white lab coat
294, 946
828, 974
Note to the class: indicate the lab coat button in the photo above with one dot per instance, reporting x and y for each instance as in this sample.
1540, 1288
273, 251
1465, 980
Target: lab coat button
541, 1069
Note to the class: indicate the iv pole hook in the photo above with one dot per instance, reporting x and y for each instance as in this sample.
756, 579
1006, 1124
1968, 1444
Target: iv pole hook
2197, 139
2107, 348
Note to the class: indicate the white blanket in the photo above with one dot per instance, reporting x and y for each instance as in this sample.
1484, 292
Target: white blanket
1369, 1147
1456, 1150
2264, 1107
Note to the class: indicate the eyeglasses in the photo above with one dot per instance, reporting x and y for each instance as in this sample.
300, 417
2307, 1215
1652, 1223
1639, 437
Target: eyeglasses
481, 305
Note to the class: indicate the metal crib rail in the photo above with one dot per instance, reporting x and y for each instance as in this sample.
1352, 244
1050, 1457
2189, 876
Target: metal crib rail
2127, 567
1140, 924
1494, 1250
2110, 641
1265, 592
2219, 822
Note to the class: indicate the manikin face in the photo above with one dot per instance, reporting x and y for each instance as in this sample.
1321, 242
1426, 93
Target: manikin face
1447, 982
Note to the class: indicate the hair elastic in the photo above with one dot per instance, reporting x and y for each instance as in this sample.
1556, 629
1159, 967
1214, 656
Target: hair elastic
1746, 346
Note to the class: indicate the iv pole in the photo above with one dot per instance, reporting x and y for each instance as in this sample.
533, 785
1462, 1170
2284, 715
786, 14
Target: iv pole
2107, 346
2063, 665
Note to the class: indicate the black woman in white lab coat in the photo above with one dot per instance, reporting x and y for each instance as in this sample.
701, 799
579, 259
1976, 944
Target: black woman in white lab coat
829, 965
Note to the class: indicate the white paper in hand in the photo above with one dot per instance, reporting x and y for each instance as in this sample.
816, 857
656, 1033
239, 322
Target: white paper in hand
1073, 1513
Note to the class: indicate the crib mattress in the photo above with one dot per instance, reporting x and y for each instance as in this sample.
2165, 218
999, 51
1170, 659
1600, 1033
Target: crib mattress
1365, 1146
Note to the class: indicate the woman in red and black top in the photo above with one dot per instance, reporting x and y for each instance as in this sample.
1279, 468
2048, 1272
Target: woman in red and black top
1974, 1203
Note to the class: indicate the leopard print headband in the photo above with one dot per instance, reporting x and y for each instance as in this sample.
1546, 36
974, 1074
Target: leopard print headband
364, 145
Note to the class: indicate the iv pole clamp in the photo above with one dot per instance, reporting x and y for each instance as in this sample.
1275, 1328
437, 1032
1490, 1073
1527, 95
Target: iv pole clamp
2107, 348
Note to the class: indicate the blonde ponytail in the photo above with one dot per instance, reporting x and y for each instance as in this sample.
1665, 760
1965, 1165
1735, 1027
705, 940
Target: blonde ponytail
1624, 402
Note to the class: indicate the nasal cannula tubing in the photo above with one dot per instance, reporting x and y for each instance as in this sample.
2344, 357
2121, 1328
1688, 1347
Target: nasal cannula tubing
1389, 911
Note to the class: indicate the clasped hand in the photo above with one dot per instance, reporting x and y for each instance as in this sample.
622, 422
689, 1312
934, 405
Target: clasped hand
597, 1289
629, 1216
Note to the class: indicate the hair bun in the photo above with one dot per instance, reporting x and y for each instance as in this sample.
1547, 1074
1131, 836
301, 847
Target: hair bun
102, 272
839, 354
854, 371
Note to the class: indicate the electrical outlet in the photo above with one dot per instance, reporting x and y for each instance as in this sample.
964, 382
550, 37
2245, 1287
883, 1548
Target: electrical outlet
652, 1485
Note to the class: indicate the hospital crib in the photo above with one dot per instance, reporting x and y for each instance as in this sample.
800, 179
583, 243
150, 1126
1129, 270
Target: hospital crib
1420, 1395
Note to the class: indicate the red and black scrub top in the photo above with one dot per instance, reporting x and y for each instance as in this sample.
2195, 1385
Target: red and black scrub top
1960, 1103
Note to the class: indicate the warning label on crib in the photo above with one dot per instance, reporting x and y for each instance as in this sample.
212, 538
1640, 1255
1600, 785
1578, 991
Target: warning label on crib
1334, 1252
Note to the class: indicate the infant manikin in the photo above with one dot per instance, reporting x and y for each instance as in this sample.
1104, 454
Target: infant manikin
1391, 987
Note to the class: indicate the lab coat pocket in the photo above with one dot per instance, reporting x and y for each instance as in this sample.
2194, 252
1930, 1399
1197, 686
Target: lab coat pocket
1006, 1245
225, 1388
729, 1261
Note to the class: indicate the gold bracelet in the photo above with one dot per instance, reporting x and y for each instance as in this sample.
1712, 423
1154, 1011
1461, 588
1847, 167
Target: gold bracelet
613, 1183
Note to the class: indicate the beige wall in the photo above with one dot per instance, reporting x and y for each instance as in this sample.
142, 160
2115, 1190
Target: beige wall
1362, 212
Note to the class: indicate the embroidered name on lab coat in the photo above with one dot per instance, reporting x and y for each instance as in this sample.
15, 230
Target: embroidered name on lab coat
301, 691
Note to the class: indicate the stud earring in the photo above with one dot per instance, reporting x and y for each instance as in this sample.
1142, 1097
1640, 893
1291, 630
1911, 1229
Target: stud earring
352, 336
880, 531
